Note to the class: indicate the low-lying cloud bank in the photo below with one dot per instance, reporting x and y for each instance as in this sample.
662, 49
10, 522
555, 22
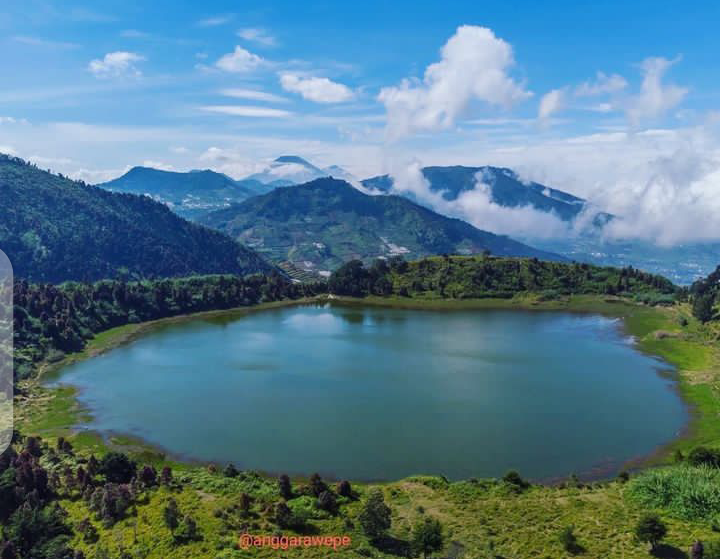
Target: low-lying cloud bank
664, 186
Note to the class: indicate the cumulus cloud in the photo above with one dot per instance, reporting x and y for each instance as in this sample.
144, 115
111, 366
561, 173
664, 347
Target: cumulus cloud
551, 102
116, 64
476, 206
318, 90
257, 35
240, 60
231, 162
655, 98
473, 66
246, 110
602, 85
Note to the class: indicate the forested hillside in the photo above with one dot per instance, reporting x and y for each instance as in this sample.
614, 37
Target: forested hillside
704, 294
459, 277
326, 222
55, 229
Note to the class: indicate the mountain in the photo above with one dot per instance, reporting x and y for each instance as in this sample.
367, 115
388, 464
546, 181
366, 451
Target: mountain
326, 222
506, 189
287, 170
54, 229
188, 194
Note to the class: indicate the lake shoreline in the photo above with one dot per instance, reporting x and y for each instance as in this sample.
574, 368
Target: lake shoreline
611, 307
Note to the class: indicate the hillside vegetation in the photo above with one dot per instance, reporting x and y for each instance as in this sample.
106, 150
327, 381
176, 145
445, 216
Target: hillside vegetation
54, 229
188, 194
324, 223
472, 277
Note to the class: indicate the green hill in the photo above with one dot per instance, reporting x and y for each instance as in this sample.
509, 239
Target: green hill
54, 229
326, 222
474, 277
188, 194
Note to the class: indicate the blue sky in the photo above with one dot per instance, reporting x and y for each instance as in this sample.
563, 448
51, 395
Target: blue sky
567, 92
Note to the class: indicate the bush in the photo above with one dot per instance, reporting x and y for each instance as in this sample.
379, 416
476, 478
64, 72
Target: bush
117, 467
514, 479
427, 536
375, 517
689, 493
701, 455
650, 529
569, 540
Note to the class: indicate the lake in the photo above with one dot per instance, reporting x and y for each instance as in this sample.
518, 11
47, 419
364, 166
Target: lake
380, 393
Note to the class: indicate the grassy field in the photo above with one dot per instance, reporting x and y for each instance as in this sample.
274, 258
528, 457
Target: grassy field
477, 515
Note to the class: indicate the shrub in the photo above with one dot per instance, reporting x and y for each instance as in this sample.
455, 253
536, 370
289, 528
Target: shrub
427, 536
704, 456
689, 493
231, 471
650, 529
117, 467
514, 479
375, 517
569, 540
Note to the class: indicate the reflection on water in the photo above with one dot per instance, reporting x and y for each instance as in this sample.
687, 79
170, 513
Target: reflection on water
385, 393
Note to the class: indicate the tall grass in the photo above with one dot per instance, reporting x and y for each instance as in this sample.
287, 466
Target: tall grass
686, 492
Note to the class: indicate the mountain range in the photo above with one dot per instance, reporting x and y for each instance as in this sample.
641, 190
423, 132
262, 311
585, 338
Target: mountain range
195, 193
54, 229
288, 170
506, 189
324, 223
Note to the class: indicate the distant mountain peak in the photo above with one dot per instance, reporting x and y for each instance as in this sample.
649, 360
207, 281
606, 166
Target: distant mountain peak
294, 159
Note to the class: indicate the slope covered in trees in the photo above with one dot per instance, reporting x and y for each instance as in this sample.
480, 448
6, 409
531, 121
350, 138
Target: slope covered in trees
704, 295
459, 277
55, 229
327, 222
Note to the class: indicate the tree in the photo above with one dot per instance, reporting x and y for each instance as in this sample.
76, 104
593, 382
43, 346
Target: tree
148, 475
166, 476
285, 487
283, 515
427, 536
375, 517
245, 503
317, 485
117, 467
231, 471
344, 489
514, 479
702, 308
650, 529
171, 515
188, 530
326, 501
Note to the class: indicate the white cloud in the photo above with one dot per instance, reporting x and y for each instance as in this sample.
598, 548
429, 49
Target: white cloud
215, 21
602, 85
257, 35
240, 60
157, 165
8, 150
116, 64
474, 66
654, 98
253, 94
319, 90
551, 102
247, 110
477, 207
44, 43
